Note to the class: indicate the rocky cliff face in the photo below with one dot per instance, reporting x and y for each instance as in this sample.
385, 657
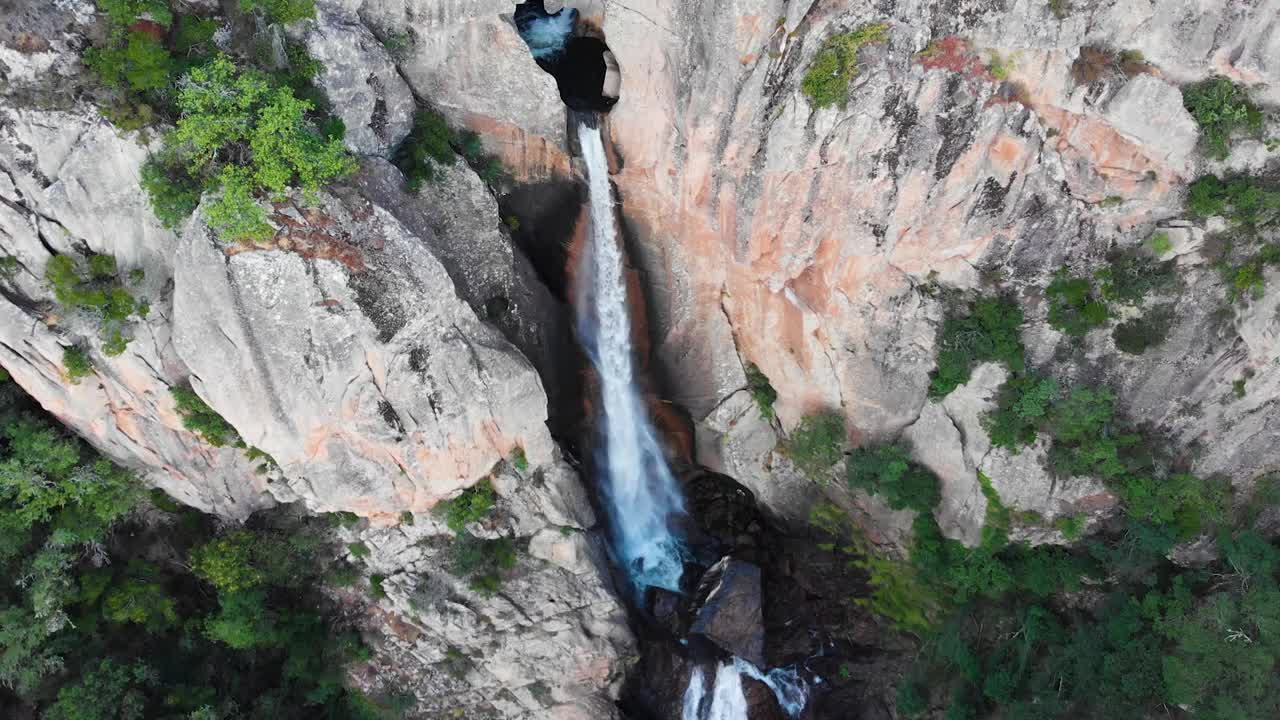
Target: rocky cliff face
389, 349
804, 240
385, 349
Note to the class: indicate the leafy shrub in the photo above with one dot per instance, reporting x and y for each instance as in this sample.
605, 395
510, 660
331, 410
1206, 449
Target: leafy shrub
482, 561
234, 212
194, 33
281, 11
1243, 201
518, 459
229, 112
173, 193
826, 82
888, 471
228, 563
1129, 278
1071, 526
375, 586
1086, 440
474, 504
77, 364
1137, 335
1180, 501
1074, 308
201, 419
95, 289
1021, 409
427, 145
761, 390
1160, 243
991, 331
817, 444
139, 62
1221, 108
359, 550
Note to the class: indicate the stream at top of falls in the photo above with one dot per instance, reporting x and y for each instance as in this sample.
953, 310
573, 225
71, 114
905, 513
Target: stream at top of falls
640, 493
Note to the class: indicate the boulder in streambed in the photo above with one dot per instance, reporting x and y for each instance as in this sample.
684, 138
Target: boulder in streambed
728, 609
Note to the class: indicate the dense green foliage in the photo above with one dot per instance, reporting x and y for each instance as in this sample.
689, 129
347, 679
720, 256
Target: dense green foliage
429, 144
281, 11
101, 620
77, 364
96, 288
995, 644
1242, 201
432, 144
990, 331
1137, 335
242, 132
1222, 109
1074, 306
480, 561
817, 443
826, 82
474, 504
887, 470
1129, 277
1021, 409
761, 390
1249, 204
199, 418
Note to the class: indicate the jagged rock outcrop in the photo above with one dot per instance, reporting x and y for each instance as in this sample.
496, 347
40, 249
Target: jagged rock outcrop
548, 643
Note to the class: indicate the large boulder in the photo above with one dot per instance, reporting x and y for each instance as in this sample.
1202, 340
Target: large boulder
728, 609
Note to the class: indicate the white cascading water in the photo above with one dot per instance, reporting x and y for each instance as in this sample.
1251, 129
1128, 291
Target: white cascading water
727, 699
639, 490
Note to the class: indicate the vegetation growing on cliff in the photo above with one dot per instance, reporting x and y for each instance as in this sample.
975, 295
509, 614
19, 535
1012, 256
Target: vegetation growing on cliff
97, 288
106, 615
1074, 306
989, 332
761, 390
480, 561
1223, 110
1249, 204
826, 82
817, 443
433, 143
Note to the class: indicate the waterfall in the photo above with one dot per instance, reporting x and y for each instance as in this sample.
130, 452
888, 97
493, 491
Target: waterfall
693, 695
729, 702
639, 490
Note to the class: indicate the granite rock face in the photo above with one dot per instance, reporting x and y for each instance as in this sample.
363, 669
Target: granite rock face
384, 348
549, 643
979, 148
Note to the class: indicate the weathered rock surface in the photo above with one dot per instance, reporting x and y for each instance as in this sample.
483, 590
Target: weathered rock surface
361, 83
728, 609
801, 238
375, 348
548, 644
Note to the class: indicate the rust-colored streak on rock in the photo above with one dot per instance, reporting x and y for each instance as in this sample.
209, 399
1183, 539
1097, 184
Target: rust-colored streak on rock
527, 156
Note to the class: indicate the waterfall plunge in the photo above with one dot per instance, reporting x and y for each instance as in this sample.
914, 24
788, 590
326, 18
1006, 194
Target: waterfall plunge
727, 700
638, 487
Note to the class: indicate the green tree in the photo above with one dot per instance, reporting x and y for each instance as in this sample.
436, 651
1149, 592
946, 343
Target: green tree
1074, 308
228, 563
817, 443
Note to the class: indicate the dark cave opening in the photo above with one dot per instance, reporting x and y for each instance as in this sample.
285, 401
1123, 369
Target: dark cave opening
585, 71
